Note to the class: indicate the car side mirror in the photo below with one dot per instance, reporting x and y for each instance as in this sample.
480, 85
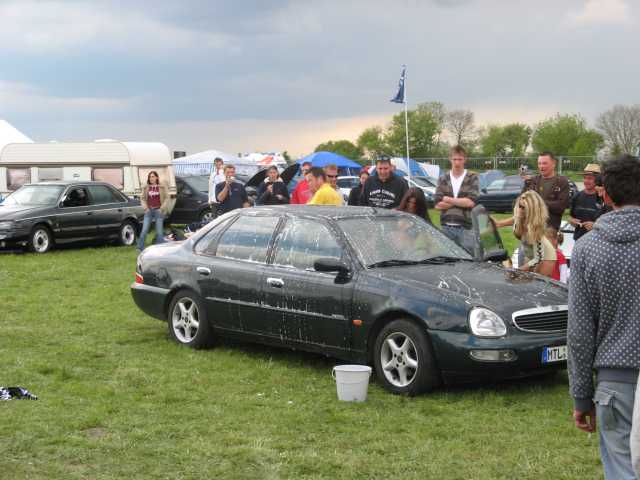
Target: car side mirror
484, 190
496, 256
332, 265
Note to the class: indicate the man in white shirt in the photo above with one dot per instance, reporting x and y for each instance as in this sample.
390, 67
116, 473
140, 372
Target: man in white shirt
216, 176
455, 197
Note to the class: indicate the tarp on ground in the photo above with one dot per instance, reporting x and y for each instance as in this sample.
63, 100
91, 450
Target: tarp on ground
322, 159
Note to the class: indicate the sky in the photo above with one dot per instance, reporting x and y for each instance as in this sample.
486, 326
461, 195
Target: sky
241, 76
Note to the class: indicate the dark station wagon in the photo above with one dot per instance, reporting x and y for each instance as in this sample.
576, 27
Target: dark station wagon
369, 286
41, 215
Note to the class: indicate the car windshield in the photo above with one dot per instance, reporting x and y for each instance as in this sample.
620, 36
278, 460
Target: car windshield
199, 182
398, 239
35, 195
423, 182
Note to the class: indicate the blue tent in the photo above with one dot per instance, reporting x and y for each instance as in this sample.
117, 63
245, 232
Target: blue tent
322, 159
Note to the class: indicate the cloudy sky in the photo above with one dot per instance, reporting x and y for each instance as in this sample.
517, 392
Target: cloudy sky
287, 75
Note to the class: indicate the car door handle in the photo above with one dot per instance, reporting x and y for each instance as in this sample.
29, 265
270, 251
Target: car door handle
203, 271
275, 282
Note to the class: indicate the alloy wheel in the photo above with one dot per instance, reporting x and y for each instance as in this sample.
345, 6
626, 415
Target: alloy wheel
185, 320
399, 359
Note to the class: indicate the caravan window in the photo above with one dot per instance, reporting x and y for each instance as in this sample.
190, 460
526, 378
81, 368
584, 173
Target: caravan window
16, 177
49, 174
113, 176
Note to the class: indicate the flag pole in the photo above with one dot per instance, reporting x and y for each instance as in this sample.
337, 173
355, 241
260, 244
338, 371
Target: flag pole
406, 128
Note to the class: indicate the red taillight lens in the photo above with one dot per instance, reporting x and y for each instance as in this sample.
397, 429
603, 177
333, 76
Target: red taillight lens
139, 278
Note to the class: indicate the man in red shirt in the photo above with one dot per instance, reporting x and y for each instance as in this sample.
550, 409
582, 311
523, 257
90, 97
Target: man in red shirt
301, 194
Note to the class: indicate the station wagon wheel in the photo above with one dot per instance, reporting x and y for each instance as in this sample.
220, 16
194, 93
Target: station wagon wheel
127, 234
40, 240
206, 215
404, 360
187, 320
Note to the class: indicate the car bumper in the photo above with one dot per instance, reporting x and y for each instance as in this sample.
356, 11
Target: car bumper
151, 300
453, 354
13, 238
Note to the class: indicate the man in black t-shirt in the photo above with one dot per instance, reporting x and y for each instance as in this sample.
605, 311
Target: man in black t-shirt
230, 193
587, 205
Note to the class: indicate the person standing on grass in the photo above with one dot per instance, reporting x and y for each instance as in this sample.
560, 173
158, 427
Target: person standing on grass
301, 194
531, 217
273, 191
603, 332
587, 204
384, 189
216, 177
323, 192
455, 197
554, 190
355, 195
230, 193
155, 202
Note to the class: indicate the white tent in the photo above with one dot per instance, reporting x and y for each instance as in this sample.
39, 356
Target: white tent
201, 163
10, 134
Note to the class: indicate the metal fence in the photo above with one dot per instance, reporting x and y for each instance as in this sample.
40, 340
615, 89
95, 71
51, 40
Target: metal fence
566, 163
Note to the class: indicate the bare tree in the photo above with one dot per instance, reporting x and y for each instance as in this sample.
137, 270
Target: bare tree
620, 127
461, 124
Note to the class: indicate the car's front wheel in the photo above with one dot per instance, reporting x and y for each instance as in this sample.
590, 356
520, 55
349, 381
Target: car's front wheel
403, 359
40, 240
187, 320
206, 215
127, 234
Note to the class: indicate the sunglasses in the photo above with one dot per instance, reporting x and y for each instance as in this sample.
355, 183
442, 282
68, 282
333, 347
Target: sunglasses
332, 176
521, 207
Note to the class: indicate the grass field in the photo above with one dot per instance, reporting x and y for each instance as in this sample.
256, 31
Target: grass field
119, 399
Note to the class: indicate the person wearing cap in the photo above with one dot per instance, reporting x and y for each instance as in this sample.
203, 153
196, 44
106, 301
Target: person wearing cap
587, 204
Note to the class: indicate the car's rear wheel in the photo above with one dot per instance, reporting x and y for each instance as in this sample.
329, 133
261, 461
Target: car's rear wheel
403, 359
40, 239
127, 234
187, 320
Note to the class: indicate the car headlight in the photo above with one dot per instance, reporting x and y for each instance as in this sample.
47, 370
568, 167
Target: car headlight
485, 323
6, 225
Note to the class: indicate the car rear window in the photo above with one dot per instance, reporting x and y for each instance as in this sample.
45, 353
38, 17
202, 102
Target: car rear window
248, 239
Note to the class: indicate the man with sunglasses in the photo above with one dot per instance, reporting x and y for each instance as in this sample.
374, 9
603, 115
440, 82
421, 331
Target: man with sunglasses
331, 172
301, 194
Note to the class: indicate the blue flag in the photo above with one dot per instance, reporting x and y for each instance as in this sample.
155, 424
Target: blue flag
399, 98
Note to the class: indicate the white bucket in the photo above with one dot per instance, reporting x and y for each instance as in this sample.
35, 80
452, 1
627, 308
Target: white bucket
352, 382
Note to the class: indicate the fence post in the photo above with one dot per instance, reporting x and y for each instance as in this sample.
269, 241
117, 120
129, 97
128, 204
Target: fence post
561, 159
495, 162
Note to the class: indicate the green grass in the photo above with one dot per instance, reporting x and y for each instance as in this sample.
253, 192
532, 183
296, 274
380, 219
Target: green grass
118, 400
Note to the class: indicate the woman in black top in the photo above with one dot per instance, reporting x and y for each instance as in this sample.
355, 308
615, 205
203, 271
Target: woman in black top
355, 195
414, 202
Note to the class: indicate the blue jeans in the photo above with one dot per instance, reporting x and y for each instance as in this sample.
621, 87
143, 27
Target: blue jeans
614, 411
460, 235
149, 216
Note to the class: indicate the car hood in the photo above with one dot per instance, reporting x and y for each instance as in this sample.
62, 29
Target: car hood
476, 283
17, 212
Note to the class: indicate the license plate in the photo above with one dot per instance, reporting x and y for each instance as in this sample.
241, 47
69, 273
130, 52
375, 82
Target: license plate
554, 354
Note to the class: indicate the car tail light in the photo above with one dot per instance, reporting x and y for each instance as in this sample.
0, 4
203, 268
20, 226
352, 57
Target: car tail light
139, 278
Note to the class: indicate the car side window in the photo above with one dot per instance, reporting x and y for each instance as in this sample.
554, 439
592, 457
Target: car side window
248, 239
101, 194
207, 244
76, 197
302, 242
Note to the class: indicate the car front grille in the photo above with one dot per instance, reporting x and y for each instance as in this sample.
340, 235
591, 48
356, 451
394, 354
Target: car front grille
551, 319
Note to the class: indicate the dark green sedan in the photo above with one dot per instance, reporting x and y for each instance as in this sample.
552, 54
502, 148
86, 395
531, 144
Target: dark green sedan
369, 286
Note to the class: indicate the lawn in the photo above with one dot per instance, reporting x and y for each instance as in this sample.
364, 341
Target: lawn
118, 399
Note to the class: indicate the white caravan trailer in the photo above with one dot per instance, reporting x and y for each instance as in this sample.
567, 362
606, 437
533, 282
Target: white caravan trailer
124, 165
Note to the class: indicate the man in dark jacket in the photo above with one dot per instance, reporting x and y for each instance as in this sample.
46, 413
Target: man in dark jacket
273, 191
604, 319
384, 189
553, 188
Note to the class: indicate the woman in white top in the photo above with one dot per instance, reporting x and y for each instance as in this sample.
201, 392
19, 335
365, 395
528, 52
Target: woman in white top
530, 222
